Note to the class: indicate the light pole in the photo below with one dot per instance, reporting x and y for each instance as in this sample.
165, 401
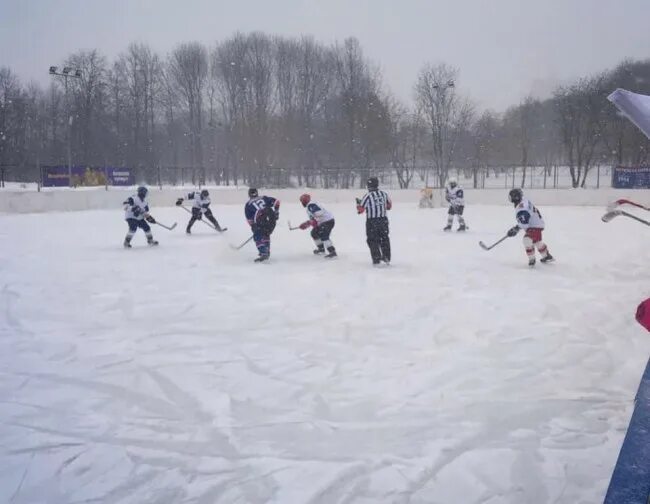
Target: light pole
441, 91
66, 73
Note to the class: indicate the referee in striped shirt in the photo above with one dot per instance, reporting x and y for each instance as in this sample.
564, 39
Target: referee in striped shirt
376, 203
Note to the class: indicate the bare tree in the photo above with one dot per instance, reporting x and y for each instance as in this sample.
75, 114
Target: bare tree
447, 114
88, 97
485, 134
406, 138
259, 105
519, 122
188, 70
9, 95
314, 87
358, 89
581, 117
141, 70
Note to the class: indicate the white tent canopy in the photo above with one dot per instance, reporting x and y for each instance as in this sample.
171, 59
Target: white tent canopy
636, 107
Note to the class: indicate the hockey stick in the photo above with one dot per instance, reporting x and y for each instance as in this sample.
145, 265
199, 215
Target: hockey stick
291, 228
204, 222
615, 213
168, 228
490, 247
612, 206
237, 247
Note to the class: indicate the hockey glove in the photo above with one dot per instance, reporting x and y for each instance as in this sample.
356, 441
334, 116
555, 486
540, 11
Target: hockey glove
150, 219
513, 231
136, 210
358, 201
304, 225
179, 201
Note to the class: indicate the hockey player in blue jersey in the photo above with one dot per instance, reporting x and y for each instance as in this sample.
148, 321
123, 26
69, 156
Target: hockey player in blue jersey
200, 207
262, 213
136, 214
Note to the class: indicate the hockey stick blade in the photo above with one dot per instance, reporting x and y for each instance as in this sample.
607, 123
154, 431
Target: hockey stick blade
168, 228
241, 245
614, 213
490, 247
204, 222
623, 201
291, 228
610, 215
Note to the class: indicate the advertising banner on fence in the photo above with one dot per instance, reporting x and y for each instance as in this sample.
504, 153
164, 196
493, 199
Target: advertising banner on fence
626, 177
120, 176
58, 176
86, 176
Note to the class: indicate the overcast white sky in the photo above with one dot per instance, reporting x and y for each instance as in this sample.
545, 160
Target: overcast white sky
505, 49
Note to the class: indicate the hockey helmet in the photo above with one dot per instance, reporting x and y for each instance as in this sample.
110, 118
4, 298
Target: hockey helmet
515, 195
305, 199
373, 184
452, 182
142, 192
643, 314
252, 193
205, 193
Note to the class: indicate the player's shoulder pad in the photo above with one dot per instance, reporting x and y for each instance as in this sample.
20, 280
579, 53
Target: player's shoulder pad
313, 207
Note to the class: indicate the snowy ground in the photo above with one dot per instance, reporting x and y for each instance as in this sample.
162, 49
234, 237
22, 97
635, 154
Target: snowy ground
187, 374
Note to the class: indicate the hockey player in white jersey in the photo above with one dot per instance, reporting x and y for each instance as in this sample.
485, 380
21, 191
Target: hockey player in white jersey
136, 214
455, 196
530, 220
200, 208
322, 223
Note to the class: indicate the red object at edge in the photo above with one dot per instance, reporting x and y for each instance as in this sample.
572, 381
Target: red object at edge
643, 314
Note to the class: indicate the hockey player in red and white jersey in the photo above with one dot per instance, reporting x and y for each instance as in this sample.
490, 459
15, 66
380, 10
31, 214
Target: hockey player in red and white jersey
322, 223
530, 220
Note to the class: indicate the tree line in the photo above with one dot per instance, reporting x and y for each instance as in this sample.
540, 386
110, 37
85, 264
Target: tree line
276, 111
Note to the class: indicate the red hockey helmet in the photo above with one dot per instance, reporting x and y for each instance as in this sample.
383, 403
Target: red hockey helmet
305, 199
643, 314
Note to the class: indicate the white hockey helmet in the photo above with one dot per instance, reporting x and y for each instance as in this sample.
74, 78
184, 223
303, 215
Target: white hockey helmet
452, 182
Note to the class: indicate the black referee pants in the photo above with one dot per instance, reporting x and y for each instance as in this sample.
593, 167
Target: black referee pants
377, 238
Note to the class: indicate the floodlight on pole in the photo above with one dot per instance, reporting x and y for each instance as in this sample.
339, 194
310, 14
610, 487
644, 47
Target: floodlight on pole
66, 73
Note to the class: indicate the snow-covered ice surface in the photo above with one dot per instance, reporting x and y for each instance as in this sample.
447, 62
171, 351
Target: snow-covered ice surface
188, 374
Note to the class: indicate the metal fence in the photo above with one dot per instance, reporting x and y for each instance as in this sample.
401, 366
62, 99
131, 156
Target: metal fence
494, 177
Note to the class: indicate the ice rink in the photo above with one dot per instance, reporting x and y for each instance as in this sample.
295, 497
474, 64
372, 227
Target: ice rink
188, 374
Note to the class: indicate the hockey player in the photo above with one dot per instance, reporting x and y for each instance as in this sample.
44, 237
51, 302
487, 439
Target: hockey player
136, 214
529, 219
200, 207
262, 213
455, 196
376, 203
322, 223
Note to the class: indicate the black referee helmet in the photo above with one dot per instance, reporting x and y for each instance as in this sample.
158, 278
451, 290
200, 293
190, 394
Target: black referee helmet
373, 184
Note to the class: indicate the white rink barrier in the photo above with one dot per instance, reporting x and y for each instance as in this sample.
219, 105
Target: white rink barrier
61, 200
